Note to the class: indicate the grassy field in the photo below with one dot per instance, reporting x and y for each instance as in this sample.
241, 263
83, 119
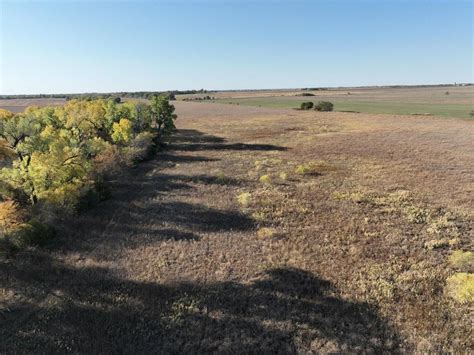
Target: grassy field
456, 102
263, 230
392, 108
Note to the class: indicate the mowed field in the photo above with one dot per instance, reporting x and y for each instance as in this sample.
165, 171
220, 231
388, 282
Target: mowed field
455, 102
262, 230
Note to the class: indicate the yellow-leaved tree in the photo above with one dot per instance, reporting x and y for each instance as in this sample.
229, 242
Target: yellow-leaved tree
122, 131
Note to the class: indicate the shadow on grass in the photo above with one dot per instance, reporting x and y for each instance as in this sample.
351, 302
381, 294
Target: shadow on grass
83, 309
193, 140
284, 310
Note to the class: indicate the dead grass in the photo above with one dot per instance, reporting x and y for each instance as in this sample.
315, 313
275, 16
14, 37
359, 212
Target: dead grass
194, 254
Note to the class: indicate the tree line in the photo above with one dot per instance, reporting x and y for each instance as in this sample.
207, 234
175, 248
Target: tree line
59, 158
92, 96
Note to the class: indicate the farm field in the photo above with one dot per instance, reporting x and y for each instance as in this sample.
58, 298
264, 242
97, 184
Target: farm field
19, 105
262, 229
458, 103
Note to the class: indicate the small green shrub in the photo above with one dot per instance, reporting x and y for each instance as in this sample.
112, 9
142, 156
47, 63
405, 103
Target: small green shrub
324, 106
306, 105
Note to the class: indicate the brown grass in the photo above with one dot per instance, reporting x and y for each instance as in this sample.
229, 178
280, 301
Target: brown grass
194, 254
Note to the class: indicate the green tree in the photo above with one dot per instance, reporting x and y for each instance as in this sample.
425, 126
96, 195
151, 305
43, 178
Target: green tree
162, 113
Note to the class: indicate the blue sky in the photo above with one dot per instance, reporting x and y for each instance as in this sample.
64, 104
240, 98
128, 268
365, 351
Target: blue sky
91, 46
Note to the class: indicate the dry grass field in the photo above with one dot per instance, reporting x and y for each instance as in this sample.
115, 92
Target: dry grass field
19, 105
262, 230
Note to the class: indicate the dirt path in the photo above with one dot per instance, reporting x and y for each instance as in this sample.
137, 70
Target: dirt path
175, 263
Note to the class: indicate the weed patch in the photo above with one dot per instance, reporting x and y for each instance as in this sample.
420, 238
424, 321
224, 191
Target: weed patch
460, 287
462, 260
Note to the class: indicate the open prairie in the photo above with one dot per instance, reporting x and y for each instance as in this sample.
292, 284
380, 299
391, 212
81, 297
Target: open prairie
263, 230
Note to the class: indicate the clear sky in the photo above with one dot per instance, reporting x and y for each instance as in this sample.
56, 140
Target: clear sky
91, 46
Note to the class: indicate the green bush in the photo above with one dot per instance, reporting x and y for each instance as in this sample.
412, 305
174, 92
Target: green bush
99, 192
33, 233
324, 106
306, 105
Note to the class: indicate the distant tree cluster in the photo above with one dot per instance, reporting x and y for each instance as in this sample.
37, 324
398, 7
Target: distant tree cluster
171, 95
320, 106
306, 105
58, 158
199, 98
324, 106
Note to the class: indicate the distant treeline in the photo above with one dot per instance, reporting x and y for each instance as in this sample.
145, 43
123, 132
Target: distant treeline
92, 96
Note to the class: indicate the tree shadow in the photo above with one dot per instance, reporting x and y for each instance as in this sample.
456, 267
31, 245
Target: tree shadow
194, 140
55, 307
285, 310
140, 201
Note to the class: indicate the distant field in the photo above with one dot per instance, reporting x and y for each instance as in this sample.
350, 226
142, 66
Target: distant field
455, 102
19, 105
395, 108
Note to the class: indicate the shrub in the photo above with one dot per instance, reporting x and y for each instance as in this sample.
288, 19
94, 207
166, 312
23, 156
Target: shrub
460, 287
33, 233
266, 179
141, 148
265, 233
221, 178
306, 105
244, 199
462, 260
325, 106
471, 113
11, 216
283, 176
303, 169
99, 192
314, 168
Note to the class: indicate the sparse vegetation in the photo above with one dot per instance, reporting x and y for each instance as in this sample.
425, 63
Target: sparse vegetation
266, 233
366, 235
